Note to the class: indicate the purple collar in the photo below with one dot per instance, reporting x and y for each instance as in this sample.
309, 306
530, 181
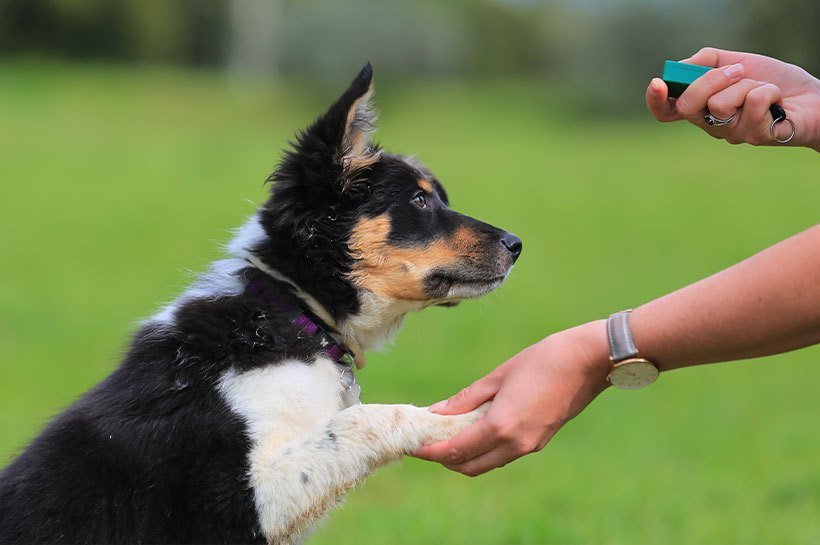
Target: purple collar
262, 285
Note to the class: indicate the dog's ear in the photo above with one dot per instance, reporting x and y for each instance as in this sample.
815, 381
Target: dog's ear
356, 105
329, 156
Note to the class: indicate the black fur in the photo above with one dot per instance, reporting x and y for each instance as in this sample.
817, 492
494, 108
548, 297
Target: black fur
153, 454
312, 207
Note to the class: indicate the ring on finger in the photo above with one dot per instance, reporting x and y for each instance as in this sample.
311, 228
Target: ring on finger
713, 121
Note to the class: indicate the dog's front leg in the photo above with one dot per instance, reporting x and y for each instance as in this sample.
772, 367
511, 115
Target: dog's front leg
310, 475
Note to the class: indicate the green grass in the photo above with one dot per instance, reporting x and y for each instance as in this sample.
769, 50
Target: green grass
115, 184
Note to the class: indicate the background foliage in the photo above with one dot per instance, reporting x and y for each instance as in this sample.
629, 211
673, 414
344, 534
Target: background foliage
603, 51
124, 168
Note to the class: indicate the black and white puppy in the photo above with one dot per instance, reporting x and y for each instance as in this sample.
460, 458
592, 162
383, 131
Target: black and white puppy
234, 417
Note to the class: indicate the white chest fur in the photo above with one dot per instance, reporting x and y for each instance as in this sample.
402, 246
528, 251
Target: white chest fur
309, 447
284, 400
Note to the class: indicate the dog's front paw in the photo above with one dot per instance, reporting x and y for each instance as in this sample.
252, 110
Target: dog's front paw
439, 427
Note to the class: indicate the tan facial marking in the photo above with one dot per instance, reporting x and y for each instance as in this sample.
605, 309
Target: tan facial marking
425, 185
398, 272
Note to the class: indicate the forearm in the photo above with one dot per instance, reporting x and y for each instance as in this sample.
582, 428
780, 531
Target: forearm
767, 304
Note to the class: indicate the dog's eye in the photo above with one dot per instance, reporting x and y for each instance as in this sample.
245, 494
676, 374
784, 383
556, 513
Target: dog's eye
420, 201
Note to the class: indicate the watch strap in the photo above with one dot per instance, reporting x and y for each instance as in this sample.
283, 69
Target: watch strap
621, 344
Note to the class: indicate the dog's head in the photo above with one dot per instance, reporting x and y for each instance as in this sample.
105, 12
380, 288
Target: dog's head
352, 224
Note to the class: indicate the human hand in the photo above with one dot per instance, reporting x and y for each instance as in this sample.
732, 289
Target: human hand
746, 85
533, 394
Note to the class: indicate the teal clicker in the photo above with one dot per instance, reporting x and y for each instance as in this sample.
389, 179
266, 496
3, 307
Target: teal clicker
678, 76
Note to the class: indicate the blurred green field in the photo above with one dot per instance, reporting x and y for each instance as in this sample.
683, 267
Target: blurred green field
116, 185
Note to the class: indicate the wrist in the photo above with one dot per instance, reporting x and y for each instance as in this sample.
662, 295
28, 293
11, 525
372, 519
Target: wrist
592, 339
581, 354
814, 129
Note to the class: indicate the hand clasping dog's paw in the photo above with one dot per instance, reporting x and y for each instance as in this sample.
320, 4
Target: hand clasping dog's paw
443, 427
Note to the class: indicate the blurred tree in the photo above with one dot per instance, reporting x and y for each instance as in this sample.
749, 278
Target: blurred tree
179, 31
80, 29
330, 39
602, 51
152, 30
255, 28
505, 38
609, 56
785, 29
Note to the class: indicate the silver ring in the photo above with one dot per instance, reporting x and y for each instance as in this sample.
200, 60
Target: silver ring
718, 122
775, 138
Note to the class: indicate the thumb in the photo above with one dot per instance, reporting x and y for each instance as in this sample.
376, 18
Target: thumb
469, 398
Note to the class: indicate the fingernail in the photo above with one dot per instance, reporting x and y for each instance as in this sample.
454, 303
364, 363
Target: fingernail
437, 406
655, 85
733, 70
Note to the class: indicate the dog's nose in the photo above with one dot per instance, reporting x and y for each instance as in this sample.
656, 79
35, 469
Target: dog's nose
513, 244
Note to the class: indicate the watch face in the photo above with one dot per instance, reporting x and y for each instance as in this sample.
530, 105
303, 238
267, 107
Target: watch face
633, 374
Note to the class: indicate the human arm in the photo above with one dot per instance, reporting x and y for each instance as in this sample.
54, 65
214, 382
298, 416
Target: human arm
767, 304
746, 84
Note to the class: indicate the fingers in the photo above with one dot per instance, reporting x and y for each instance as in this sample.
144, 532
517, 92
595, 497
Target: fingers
657, 100
748, 98
488, 461
710, 56
482, 453
692, 103
473, 441
469, 398
500, 456
727, 102
753, 126
492, 442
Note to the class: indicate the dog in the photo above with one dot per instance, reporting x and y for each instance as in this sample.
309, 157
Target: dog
234, 417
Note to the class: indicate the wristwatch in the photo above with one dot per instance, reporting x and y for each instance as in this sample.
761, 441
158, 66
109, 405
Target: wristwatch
628, 372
